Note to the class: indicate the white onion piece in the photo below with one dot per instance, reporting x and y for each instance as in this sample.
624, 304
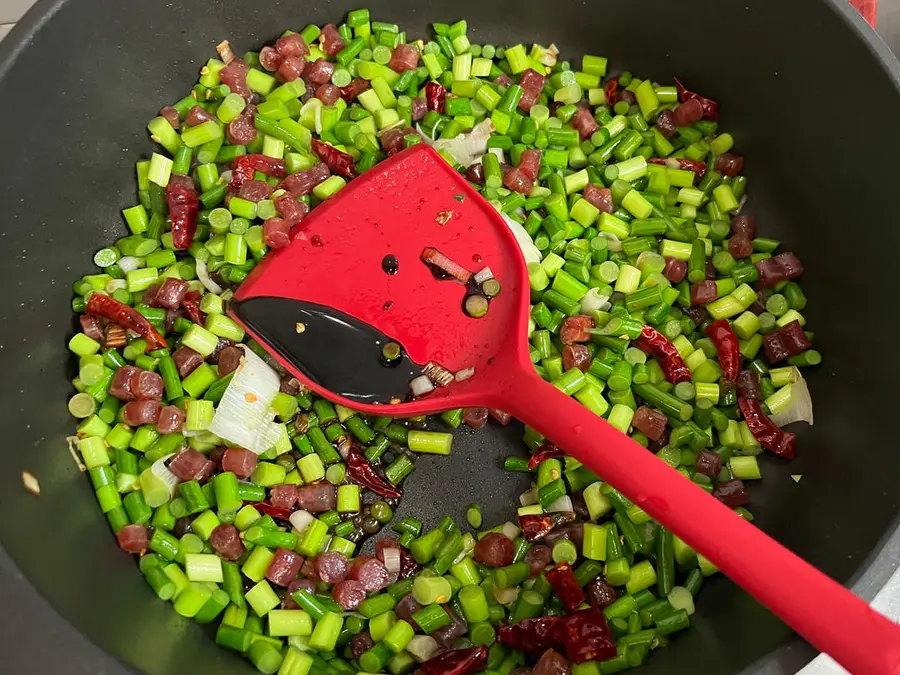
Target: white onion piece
801, 408
422, 647
614, 244
529, 497
483, 275
128, 263
114, 285
593, 301
464, 374
529, 251
549, 57
72, 442
561, 505
421, 385
392, 560
203, 276
680, 598
672, 163
300, 520
243, 416
510, 530
466, 149
318, 119
506, 596
226, 176
158, 483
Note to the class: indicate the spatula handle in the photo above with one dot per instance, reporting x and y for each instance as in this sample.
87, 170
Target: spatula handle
825, 613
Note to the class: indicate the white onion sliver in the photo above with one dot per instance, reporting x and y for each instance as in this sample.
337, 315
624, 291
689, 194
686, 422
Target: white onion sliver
672, 163
226, 176
300, 520
391, 560
465, 148
529, 497
529, 251
561, 505
243, 416
160, 472
614, 244
483, 275
510, 530
128, 263
421, 385
592, 301
203, 276
464, 374
498, 153
801, 408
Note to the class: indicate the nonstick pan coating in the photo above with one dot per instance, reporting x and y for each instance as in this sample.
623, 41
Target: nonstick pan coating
810, 102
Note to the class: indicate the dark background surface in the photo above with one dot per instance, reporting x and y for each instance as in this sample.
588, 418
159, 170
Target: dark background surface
36, 640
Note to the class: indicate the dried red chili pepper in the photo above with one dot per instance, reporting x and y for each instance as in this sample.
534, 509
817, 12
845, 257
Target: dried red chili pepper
184, 208
729, 351
546, 451
360, 471
710, 107
457, 662
565, 585
435, 96
610, 89
273, 511
764, 430
698, 168
354, 89
408, 564
530, 635
652, 342
585, 636
337, 162
191, 307
243, 168
130, 318
535, 527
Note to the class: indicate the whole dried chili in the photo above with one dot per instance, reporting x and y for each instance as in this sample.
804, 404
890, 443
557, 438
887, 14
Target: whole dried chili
583, 635
698, 168
710, 107
337, 162
130, 318
652, 342
457, 662
536, 527
360, 471
243, 168
764, 430
610, 89
546, 451
184, 208
273, 511
566, 586
729, 351
191, 307
435, 96
408, 564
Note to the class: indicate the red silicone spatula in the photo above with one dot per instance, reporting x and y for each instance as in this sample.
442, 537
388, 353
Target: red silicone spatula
416, 200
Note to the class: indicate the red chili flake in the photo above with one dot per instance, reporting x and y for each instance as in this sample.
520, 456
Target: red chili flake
191, 307
457, 662
764, 430
273, 511
546, 451
184, 208
337, 162
435, 96
354, 89
112, 309
443, 217
583, 635
360, 471
710, 107
610, 89
656, 344
536, 527
530, 635
729, 351
698, 168
565, 585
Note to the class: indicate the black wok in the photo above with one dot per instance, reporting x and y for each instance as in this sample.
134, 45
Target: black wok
811, 97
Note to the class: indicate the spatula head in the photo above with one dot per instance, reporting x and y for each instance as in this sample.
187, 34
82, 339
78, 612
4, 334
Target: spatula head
401, 206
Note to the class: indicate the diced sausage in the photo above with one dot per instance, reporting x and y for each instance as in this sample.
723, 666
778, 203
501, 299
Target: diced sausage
293, 587
226, 540
292, 45
284, 567
132, 538
171, 420
601, 197
197, 115
406, 608
147, 385
574, 329
332, 567
494, 550
229, 360
360, 644
370, 572
283, 496
600, 594
91, 326
191, 465
238, 461
348, 594
171, 293
121, 384
475, 418
331, 40
576, 356
538, 556
317, 498
404, 57
277, 232
136, 413
649, 422
186, 360
319, 72
457, 627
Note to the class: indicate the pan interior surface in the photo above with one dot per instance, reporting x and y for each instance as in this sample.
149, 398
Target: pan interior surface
80, 87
